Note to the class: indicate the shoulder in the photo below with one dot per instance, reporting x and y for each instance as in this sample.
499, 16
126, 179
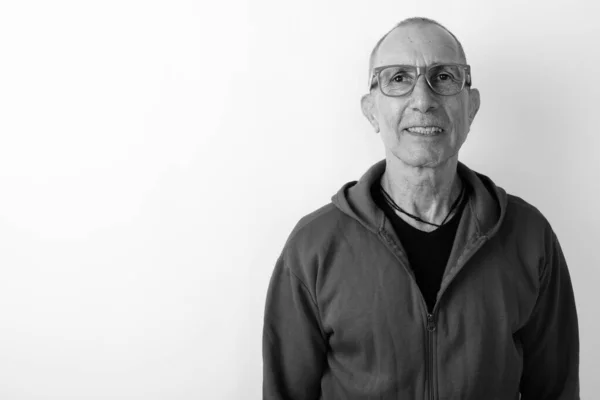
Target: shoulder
524, 214
318, 238
316, 230
316, 221
526, 231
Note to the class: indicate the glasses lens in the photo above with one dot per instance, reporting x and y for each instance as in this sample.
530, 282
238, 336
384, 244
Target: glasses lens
446, 79
397, 80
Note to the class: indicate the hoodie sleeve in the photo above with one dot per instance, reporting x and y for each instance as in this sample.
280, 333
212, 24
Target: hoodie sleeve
551, 336
293, 347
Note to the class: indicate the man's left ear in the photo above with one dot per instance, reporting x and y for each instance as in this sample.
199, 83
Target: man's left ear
474, 102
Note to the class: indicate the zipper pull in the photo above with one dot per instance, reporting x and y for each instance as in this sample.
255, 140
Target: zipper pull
430, 323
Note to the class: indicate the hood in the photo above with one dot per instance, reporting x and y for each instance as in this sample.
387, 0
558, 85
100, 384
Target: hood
483, 213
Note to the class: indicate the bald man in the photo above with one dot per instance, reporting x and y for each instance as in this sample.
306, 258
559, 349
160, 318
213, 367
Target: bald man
423, 279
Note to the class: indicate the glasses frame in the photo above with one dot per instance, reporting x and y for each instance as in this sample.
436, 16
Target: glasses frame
420, 71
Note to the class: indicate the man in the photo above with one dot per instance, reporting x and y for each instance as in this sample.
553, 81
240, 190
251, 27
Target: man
423, 280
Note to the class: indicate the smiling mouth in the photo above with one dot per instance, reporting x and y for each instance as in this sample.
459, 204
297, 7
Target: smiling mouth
425, 130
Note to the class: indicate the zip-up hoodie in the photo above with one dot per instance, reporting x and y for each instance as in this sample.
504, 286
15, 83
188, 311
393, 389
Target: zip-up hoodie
345, 320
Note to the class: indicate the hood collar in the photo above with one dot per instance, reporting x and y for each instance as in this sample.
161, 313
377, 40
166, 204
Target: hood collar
483, 213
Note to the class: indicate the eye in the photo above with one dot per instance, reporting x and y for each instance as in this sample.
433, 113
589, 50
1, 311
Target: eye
443, 77
398, 78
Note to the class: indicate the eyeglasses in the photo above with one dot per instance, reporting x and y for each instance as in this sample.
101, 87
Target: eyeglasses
443, 79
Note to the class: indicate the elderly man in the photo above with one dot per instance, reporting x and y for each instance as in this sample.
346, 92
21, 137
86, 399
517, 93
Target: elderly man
423, 279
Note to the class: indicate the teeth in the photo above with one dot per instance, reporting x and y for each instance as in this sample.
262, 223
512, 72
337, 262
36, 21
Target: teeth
424, 130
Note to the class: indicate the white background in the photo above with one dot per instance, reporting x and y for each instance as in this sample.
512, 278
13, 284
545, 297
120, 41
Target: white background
154, 156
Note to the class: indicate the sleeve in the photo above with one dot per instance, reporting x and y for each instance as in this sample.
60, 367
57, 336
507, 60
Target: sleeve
293, 346
551, 336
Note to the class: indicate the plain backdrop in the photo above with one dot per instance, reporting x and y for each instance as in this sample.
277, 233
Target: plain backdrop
155, 155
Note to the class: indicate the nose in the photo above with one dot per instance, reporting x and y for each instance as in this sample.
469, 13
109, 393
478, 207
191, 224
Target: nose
422, 98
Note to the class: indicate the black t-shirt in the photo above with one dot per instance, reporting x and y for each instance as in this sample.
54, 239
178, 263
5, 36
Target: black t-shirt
427, 252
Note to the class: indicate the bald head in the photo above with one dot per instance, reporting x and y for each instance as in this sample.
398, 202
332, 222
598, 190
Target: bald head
415, 22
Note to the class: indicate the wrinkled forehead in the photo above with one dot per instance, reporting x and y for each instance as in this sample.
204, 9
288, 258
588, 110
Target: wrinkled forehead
418, 44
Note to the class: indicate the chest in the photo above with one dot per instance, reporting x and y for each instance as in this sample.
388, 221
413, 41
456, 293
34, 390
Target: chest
370, 293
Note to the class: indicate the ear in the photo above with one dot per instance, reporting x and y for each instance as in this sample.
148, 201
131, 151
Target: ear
367, 106
474, 102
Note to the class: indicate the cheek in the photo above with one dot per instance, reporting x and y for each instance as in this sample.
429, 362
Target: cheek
390, 116
459, 114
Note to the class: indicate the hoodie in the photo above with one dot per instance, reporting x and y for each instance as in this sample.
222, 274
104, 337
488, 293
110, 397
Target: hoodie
345, 320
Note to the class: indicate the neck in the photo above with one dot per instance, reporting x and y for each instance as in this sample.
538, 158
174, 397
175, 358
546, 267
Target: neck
426, 192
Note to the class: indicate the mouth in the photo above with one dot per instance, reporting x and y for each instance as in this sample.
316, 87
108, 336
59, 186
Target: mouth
428, 130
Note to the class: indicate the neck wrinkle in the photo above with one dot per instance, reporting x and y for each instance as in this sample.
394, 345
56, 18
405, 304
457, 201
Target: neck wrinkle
428, 196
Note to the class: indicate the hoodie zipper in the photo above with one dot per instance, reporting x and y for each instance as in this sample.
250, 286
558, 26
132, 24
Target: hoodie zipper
431, 326
430, 360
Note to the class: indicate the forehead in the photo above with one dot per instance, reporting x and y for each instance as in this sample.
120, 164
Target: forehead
418, 44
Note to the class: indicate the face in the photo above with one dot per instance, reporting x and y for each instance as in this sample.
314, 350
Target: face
407, 123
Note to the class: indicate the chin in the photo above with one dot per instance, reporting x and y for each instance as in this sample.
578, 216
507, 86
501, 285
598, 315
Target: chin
421, 159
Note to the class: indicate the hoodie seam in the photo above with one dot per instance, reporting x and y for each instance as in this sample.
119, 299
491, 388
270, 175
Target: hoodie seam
310, 296
541, 291
381, 223
477, 222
